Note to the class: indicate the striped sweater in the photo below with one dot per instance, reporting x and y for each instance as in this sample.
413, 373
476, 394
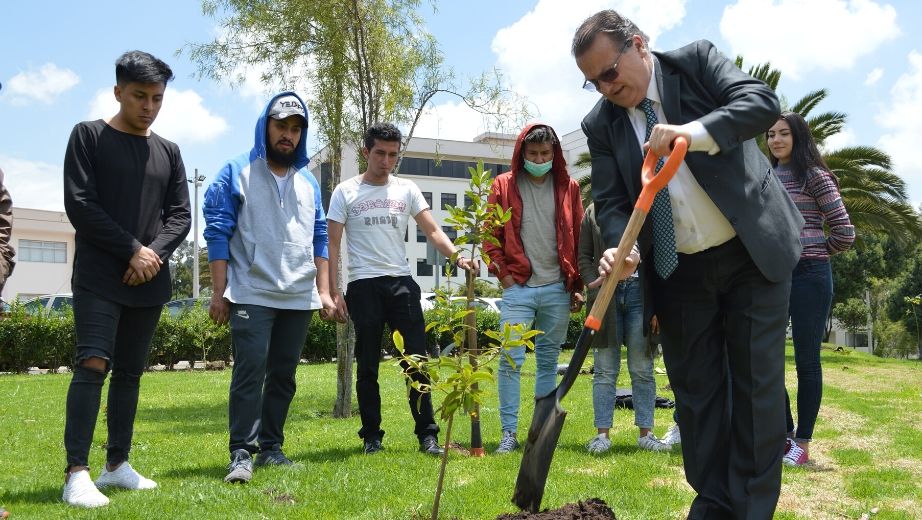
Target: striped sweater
819, 202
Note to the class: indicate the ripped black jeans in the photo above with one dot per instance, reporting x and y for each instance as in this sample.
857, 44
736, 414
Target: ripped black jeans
121, 336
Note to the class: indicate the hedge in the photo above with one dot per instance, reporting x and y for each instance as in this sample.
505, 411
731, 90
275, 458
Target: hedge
47, 341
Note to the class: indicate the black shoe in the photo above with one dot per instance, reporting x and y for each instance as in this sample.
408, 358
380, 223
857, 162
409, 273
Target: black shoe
240, 468
430, 444
273, 458
373, 446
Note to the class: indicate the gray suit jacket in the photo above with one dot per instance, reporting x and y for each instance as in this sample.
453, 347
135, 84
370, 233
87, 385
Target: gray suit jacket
696, 82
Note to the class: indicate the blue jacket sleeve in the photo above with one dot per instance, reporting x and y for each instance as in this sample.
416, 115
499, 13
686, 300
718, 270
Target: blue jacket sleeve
222, 198
321, 240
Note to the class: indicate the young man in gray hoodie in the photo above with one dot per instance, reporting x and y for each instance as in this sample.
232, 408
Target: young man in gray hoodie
267, 248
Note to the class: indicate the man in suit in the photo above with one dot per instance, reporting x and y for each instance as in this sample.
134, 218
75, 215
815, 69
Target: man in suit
717, 269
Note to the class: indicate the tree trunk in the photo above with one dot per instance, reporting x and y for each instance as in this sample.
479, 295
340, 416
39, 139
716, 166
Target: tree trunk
345, 352
472, 350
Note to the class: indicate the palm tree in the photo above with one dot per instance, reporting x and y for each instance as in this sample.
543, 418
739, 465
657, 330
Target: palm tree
875, 197
585, 186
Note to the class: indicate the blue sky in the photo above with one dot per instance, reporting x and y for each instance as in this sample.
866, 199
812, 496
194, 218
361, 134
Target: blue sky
58, 69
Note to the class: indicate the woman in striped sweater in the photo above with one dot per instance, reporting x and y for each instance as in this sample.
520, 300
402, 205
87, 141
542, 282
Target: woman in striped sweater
815, 191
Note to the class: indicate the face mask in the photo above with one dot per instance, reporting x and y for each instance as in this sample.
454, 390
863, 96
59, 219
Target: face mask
538, 170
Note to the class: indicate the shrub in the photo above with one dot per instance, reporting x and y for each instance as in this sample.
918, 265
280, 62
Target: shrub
48, 340
43, 340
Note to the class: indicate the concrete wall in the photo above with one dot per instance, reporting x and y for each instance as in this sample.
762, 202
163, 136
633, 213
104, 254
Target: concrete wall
34, 278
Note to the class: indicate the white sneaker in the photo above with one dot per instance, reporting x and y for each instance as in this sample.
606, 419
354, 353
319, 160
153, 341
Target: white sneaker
79, 491
599, 444
651, 443
673, 436
124, 477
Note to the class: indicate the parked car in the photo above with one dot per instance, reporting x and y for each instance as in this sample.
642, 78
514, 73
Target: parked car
49, 304
480, 302
177, 307
427, 301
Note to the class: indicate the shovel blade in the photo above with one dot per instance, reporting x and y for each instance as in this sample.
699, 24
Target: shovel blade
546, 425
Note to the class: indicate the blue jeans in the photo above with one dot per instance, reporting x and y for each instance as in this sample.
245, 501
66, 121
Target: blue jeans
626, 309
546, 308
811, 297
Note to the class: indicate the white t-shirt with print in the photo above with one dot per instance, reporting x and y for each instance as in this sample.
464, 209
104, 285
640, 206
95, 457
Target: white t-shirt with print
375, 219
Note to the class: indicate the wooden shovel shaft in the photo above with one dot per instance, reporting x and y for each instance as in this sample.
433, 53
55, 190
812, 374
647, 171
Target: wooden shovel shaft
628, 238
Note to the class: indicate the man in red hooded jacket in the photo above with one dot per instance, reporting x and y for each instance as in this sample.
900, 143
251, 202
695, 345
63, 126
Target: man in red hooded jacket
536, 262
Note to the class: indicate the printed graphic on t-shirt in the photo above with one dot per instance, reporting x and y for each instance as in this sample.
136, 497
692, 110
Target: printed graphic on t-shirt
399, 206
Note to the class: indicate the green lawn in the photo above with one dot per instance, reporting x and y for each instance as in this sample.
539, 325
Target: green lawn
868, 453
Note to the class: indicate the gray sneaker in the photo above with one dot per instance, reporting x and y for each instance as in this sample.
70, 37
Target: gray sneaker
273, 458
240, 468
508, 443
649, 442
599, 444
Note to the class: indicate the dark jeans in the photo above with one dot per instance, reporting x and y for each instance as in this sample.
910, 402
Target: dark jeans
811, 297
372, 302
267, 345
722, 326
121, 336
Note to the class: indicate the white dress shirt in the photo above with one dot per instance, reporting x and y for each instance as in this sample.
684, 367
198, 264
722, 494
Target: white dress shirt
698, 223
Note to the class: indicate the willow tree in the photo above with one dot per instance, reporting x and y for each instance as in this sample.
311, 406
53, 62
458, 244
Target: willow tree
360, 62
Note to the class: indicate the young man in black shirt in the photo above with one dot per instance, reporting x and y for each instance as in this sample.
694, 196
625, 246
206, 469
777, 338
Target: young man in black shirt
125, 194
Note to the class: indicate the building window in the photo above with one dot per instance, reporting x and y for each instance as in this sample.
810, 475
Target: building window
449, 199
42, 251
468, 202
445, 168
428, 196
420, 235
451, 232
422, 268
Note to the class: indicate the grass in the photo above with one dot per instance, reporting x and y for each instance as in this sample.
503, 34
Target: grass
867, 451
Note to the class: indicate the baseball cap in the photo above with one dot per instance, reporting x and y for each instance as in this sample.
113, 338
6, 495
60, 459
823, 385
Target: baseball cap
287, 106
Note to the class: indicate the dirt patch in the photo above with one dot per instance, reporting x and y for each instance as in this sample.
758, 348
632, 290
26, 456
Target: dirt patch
594, 508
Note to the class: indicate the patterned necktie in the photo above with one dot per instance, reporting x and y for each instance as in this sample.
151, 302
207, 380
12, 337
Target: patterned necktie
664, 255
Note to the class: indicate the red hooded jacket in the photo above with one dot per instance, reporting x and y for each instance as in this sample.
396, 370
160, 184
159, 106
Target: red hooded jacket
510, 257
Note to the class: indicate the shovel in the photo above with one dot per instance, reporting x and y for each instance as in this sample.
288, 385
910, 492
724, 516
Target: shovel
547, 421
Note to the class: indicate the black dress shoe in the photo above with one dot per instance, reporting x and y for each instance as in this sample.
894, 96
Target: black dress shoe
430, 444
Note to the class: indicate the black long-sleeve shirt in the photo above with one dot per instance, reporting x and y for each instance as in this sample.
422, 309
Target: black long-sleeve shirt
122, 191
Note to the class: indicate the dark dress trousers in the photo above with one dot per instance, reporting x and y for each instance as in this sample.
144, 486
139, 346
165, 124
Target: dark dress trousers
723, 311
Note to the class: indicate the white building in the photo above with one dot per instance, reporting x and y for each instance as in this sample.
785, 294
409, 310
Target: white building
439, 168
44, 242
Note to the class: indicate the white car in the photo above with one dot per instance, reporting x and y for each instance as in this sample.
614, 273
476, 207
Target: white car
49, 304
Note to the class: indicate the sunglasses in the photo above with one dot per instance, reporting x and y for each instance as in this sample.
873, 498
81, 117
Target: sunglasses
609, 75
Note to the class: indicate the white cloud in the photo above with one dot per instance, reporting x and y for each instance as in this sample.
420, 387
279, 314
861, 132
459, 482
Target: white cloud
786, 32
533, 55
901, 118
182, 119
873, 77
33, 184
840, 140
451, 120
43, 85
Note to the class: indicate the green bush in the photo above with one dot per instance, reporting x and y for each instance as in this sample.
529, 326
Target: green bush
35, 341
48, 341
489, 320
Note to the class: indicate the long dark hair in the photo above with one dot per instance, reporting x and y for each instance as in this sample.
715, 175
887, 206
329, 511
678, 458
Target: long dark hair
805, 156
